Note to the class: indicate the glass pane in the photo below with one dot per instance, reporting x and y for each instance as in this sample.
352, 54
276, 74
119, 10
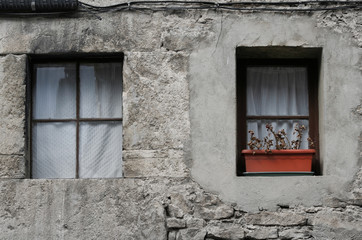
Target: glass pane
54, 93
54, 150
277, 91
100, 150
101, 90
258, 126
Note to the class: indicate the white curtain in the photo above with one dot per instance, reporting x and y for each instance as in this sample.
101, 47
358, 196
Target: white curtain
54, 93
100, 143
54, 150
277, 91
101, 90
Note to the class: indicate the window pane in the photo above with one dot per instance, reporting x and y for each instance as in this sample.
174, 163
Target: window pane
54, 92
258, 126
277, 91
54, 150
101, 90
100, 150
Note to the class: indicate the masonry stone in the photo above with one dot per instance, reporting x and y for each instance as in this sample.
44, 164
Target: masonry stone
12, 108
175, 223
12, 166
191, 234
263, 233
179, 131
276, 218
295, 233
230, 231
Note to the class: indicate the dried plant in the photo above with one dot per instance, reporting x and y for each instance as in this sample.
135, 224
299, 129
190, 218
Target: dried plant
281, 139
254, 143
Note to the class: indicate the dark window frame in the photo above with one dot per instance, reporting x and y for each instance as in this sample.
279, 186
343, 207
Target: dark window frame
78, 59
312, 65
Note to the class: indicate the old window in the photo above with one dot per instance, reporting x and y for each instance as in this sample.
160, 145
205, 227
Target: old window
277, 86
76, 118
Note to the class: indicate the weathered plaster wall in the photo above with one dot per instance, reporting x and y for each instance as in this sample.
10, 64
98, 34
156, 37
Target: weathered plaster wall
213, 110
179, 131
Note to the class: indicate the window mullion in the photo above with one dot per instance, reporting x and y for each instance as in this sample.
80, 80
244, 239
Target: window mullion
77, 119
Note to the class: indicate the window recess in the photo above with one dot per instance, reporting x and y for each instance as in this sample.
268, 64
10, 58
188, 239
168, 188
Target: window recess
76, 118
277, 86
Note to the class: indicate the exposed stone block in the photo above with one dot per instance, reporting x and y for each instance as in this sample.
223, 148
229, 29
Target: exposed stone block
295, 233
156, 101
220, 211
172, 235
263, 233
175, 211
210, 207
12, 107
154, 167
175, 223
80, 209
349, 219
191, 234
12, 166
154, 163
276, 219
195, 223
232, 231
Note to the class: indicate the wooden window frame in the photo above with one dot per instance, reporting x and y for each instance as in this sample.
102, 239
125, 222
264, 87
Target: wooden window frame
34, 60
312, 65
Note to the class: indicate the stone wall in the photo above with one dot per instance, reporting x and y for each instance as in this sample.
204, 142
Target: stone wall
179, 99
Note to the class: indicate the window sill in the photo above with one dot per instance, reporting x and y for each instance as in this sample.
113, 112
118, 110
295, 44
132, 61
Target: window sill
277, 174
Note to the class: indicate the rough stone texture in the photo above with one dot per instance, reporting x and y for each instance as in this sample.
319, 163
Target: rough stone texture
276, 218
299, 233
230, 231
79, 209
196, 223
155, 101
175, 223
348, 218
12, 166
263, 233
152, 163
211, 208
12, 107
191, 234
179, 117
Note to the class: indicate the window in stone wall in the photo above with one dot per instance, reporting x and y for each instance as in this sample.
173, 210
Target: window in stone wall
76, 118
277, 86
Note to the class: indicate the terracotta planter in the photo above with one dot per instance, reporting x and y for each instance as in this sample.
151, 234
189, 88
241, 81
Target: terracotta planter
279, 160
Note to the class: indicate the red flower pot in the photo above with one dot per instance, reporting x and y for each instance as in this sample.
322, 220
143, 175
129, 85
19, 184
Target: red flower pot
279, 160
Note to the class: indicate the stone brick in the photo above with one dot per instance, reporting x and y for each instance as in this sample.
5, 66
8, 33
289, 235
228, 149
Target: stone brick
172, 235
12, 107
155, 101
195, 223
12, 166
295, 233
191, 234
263, 233
154, 167
349, 219
175, 223
175, 211
232, 231
276, 219
80, 209
209, 207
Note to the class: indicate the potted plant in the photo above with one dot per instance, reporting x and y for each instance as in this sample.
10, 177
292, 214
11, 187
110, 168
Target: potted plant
286, 157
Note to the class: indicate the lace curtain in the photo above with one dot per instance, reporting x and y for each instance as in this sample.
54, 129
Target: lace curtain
277, 91
55, 98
